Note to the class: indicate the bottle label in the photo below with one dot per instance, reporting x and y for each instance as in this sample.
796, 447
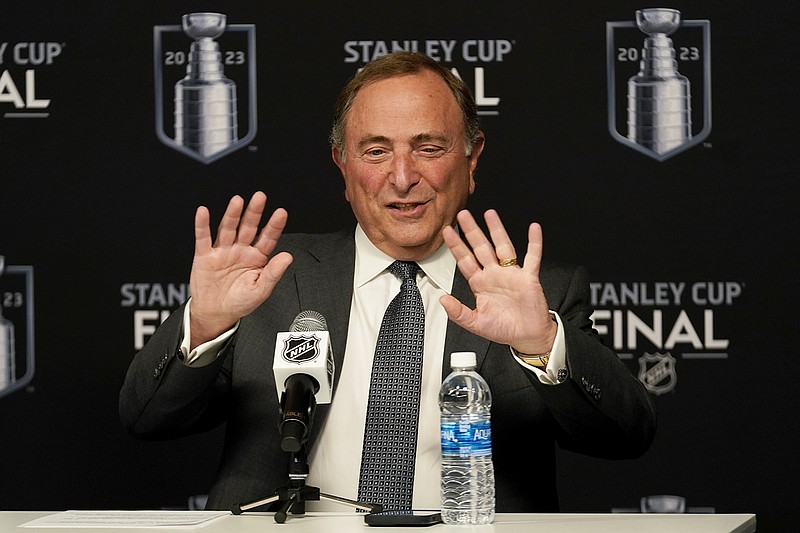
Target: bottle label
467, 438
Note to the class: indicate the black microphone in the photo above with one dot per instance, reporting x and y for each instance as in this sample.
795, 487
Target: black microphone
303, 367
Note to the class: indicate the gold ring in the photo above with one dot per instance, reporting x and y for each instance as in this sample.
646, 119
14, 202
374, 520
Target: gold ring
508, 262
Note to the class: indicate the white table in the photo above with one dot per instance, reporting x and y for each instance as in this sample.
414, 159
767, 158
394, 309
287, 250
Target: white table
503, 523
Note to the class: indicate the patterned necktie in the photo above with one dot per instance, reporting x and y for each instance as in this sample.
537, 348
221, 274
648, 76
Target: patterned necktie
390, 435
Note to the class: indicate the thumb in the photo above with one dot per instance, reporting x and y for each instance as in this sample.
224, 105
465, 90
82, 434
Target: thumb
457, 312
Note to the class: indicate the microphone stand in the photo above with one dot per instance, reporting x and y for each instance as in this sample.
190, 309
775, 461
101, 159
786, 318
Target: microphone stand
297, 413
296, 493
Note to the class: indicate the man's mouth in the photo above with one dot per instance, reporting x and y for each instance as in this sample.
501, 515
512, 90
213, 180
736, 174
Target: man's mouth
405, 206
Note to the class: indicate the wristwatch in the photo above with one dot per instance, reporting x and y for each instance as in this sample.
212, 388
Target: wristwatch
538, 360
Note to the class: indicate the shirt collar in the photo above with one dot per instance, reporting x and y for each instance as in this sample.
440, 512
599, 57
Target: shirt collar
439, 267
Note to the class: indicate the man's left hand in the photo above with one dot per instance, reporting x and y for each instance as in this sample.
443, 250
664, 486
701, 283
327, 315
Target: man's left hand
510, 306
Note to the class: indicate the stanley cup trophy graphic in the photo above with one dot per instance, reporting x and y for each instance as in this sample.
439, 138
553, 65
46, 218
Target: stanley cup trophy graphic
659, 107
205, 100
655, 110
8, 371
8, 374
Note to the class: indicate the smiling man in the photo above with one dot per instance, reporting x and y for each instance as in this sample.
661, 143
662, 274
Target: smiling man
407, 143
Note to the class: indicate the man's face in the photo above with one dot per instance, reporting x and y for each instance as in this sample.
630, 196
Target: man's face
406, 171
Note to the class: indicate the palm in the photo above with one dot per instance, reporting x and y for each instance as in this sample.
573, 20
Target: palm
229, 276
503, 304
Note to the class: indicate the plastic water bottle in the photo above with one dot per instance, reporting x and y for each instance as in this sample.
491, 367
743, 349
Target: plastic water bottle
467, 471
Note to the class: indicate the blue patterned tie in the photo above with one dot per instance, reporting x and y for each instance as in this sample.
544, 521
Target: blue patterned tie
390, 435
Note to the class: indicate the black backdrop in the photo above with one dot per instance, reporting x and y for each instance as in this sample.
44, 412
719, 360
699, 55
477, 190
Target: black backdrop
693, 258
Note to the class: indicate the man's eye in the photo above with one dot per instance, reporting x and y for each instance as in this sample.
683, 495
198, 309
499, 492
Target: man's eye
375, 152
431, 150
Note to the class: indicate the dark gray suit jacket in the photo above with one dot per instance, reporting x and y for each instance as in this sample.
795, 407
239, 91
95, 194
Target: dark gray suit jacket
599, 408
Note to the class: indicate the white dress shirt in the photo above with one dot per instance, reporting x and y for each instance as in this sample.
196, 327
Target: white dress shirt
335, 459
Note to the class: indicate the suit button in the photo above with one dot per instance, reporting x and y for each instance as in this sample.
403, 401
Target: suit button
160, 366
592, 389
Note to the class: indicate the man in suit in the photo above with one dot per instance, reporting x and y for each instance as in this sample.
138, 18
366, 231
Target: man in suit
406, 140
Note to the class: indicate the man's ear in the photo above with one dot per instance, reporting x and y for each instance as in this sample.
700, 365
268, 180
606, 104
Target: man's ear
337, 155
477, 149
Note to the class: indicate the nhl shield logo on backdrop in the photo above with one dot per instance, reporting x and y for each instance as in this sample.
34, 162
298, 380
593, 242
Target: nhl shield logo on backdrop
659, 82
657, 372
16, 327
205, 85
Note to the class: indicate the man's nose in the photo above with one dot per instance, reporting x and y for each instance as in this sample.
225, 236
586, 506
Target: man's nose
403, 173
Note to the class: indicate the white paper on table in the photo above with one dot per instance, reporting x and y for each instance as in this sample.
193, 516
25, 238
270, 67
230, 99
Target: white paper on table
129, 519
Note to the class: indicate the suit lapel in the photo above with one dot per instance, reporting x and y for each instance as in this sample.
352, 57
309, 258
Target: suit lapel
327, 287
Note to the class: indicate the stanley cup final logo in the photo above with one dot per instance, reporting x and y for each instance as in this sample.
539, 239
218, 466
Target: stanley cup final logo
659, 82
206, 97
16, 327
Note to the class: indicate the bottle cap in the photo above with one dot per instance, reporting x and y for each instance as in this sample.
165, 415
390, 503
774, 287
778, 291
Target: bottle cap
463, 360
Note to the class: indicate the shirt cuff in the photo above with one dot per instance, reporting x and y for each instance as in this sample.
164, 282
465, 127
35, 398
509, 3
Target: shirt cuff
207, 352
557, 361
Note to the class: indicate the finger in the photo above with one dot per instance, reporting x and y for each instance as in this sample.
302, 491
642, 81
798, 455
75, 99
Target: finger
533, 256
228, 226
481, 247
466, 262
248, 226
269, 236
202, 231
503, 247
273, 272
459, 313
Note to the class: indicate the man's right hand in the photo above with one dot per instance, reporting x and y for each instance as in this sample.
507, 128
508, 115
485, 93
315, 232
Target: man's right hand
236, 274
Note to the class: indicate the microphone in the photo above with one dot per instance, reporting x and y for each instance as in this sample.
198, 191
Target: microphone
303, 367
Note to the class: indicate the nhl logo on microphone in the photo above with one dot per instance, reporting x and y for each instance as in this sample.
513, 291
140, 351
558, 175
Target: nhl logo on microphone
305, 352
300, 349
